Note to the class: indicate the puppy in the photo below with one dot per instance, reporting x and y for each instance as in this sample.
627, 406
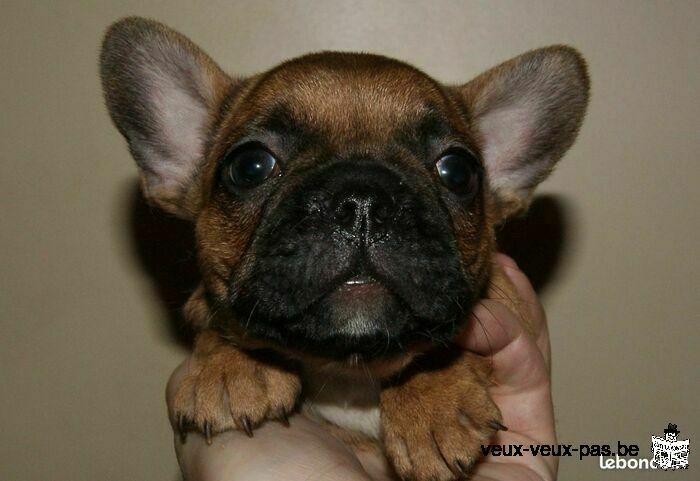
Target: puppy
344, 207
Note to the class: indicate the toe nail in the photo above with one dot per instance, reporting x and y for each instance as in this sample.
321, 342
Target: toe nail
207, 432
181, 428
284, 419
463, 467
247, 427
497, 426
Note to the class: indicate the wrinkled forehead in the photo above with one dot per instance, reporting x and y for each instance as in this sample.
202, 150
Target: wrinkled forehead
348, 98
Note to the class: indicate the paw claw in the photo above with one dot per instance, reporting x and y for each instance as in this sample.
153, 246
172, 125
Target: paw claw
182, 428
207, 432
247, 426
463, 468
497, 426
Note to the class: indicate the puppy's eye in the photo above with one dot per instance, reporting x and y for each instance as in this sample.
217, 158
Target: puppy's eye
459, 171
249, 166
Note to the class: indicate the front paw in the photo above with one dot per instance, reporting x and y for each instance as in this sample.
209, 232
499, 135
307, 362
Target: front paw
435, 422
226, 388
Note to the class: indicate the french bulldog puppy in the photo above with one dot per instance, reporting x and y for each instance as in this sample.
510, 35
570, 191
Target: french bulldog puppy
344, 206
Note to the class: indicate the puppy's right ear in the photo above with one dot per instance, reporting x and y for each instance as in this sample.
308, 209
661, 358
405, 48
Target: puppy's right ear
162, 92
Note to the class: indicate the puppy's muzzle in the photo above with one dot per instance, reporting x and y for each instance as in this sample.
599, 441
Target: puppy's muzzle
357, 258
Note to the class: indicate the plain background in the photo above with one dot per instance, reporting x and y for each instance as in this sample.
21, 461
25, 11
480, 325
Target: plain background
87, 343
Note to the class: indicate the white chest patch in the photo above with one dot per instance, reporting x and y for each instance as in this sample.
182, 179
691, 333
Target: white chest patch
349, 402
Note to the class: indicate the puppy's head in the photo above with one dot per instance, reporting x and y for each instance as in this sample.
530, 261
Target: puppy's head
343, 203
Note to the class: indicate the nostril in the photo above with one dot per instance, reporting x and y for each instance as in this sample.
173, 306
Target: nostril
381, 213
346, 211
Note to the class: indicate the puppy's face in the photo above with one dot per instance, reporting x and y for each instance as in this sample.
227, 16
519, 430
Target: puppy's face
359, 176
343, 203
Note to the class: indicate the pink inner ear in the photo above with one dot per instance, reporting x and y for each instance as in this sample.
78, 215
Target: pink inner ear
181, 116
507, 133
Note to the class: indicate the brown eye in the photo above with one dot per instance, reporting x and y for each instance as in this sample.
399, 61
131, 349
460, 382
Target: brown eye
249, 166
459, 171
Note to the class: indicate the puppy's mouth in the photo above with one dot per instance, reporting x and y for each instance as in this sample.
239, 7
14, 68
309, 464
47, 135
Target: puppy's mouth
357, 289
359, 280
365, 307
360, 284
360, 288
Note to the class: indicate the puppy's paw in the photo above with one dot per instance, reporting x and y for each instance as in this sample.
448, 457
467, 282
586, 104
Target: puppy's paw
226, 388
435, 422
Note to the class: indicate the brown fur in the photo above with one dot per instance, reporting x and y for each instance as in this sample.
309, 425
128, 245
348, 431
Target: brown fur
227, 388
435, 409
437, 415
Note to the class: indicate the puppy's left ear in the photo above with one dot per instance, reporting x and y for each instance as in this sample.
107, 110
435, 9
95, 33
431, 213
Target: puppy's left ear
527, 112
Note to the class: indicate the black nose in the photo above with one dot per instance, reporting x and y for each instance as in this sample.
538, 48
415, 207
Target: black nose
359, 199
362, 209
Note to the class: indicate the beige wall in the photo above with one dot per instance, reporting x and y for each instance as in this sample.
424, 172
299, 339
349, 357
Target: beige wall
85, 342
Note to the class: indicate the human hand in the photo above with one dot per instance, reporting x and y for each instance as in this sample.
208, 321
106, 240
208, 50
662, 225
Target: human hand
306, 451
522, 389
